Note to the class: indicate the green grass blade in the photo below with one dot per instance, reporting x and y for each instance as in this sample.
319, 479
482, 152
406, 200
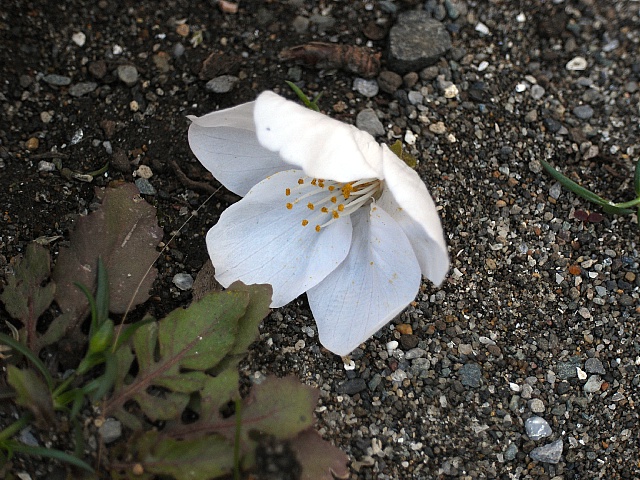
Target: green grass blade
307, 103
636, 179
574, 187
102, 294
92, 305
51, 453
18, 347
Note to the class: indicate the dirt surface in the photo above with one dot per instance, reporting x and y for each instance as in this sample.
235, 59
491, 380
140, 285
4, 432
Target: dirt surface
533, 287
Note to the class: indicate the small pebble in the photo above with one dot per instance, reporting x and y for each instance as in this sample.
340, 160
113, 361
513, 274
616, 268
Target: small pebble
404, 329
144, 171
82, 88
550, 453
351, 386
368, 121
128, 74
583, 112
79, 38
368, 88
470, 375
594, 365
593, 385
537, 428
482, 28
388, 81
32, 144
57, 80
183, 281
536, 405
44, 166
576, 64
110, 430
145, 186
222, 84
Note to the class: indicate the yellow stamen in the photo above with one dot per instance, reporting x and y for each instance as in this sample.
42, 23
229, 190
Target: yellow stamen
313, 182
341, 208
289, 206
324, 210
321, 183
332, 188
346, 190
318, 228
300, 181
310, 206
305, 223
335, 214
334, 199
287, 192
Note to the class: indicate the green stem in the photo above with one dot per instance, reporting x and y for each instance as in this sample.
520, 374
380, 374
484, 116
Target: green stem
15, 427
630, 203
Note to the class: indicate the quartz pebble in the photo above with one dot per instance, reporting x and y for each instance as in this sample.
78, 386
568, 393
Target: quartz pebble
537, 428
183, 281
110, 430
368, 88
577, 64
550, 453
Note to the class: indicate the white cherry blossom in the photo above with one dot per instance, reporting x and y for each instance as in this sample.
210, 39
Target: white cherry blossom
326, 210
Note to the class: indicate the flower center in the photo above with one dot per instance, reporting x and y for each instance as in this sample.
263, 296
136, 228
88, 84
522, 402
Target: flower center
332, 199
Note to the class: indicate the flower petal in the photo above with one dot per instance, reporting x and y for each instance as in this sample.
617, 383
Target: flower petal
407, 199
376, 281
225, 142
321, 146
260, 240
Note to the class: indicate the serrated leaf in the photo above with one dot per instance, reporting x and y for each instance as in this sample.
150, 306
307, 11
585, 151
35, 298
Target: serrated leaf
196, 459
281, 407
124, 231
319, 459
249, 323
24, 297
32, 393
174, 352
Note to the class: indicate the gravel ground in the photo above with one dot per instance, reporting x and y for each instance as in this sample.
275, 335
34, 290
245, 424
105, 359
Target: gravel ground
526, 362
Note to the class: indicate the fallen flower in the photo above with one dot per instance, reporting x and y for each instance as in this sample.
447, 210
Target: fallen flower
326, 210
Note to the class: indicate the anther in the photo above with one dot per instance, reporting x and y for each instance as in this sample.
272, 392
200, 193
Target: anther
289, 206
318, 227
305, 223
310, 206
287, 192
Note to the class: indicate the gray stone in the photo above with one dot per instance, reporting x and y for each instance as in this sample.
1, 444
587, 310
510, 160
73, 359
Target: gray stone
183, 281
536, 405
583, 112
594, 365
128, 74
389, 82
368, 121
57, 80
82, 88
368, 88
550, 453
593, 384
111, 430
222, 84
470, 375
511, 452
352, 386
415, 353
145, 186
416, 41
567, 370
300, 24
537, 428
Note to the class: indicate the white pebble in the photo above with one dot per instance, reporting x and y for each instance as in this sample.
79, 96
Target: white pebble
482, 28
582, 375
117, 49
410, 138
79, 38
483, 66
44, 166
391, 346
183, 281
576, 64
144, 171
451, 91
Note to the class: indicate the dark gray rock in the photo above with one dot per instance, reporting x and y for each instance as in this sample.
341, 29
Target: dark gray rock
351, 387
470, 375
416, 41
82, 88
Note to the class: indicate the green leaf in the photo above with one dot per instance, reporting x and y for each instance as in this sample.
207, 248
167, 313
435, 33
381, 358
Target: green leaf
636, 179
310, 104
175, 352
608, 206
406, 157
24, 297
18, 347
248, 324
207, 457
32, 393
318, 458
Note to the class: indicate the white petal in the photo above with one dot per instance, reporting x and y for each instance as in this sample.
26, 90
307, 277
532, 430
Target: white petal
376, 281
225, 142
407, 199
259, 240
321, 146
